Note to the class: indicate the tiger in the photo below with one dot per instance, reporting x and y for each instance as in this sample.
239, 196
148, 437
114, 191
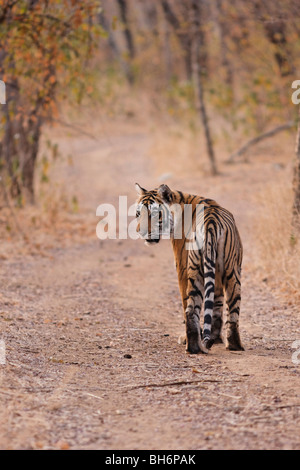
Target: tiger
209, 270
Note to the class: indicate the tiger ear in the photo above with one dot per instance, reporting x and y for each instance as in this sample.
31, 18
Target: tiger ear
165, 193
141, 191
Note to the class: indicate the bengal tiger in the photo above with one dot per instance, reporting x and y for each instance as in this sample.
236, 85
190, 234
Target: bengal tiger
207, 272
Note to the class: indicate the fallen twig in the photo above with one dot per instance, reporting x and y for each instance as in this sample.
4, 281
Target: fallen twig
94, 396
258, 139
172, 384
295, 405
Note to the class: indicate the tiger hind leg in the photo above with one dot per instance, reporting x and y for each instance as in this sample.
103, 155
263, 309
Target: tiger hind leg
217, 318
233, 300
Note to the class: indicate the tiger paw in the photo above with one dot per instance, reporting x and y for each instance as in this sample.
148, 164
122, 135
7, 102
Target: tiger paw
197, 348
182, 339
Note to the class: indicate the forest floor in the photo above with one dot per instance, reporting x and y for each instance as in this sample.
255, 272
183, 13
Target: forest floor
91, 327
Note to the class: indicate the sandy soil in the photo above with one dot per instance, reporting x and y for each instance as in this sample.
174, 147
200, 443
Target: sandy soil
91, 329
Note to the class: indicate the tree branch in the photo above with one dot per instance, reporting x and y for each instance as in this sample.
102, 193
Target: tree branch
258, 139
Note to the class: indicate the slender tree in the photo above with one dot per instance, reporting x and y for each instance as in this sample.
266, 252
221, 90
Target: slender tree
195, 28
224, 32
296, 204
181, 33
123, 7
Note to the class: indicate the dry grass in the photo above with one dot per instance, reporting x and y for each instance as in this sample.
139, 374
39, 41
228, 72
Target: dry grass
277, 248
179, 151
34, 230
55, 220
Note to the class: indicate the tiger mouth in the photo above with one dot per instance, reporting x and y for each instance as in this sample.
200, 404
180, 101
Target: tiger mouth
151, 241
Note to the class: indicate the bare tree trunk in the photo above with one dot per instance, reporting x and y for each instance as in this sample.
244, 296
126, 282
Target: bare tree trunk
127, 32
123, 6
9, 156
296, 204
197, 78
103, 21
150, 14
168, 63
183, 37
224, 34
20, 141
113, 45
28, 150
19, 150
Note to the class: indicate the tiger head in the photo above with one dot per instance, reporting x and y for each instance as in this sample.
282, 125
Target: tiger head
153, 213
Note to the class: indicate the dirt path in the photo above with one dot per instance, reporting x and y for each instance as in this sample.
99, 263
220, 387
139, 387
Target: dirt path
92, 358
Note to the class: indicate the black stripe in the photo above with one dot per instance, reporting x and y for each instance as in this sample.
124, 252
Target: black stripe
210, 274
181, 196
208, 285
208, 305
210, 262
209, 288
235, 300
